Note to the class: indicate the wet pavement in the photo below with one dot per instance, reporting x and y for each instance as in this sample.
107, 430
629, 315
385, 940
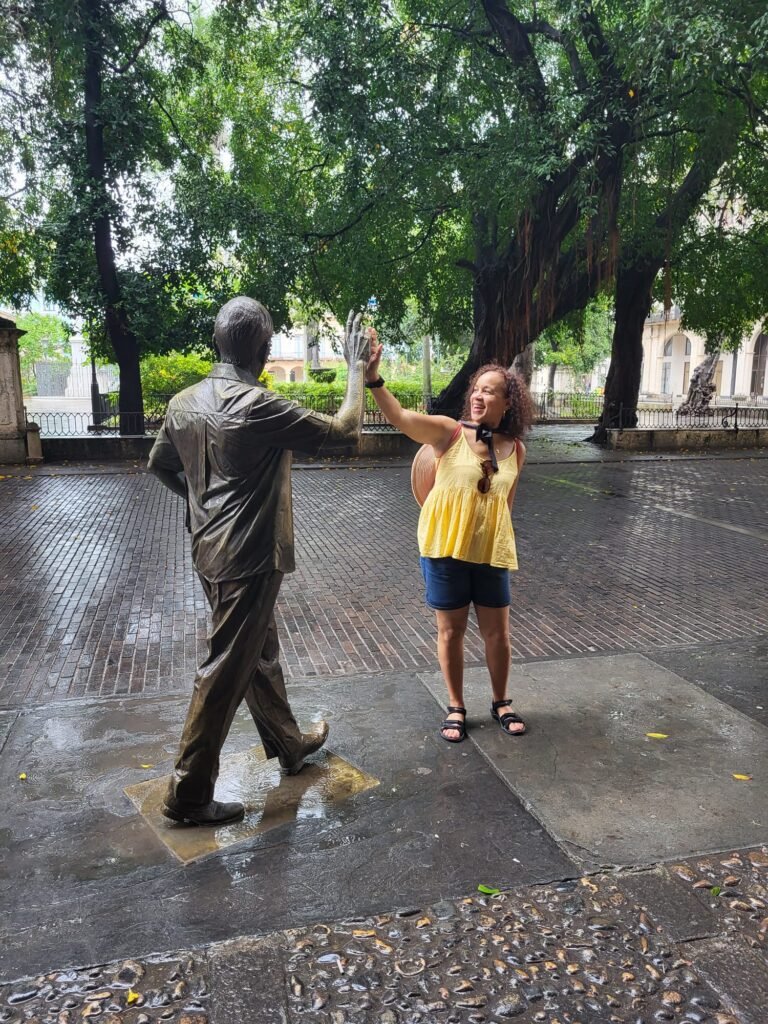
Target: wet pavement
627, 831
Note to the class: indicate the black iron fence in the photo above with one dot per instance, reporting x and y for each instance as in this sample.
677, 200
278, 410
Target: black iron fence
739, 416
550, 407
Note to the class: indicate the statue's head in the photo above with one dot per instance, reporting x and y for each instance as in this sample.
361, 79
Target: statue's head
242, 332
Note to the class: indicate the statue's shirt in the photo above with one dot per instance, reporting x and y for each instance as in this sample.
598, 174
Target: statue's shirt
233, 441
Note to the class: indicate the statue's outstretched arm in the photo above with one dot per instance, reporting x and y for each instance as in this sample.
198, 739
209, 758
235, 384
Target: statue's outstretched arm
347, 424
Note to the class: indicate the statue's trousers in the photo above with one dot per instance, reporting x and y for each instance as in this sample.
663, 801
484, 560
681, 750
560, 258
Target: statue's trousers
243, 663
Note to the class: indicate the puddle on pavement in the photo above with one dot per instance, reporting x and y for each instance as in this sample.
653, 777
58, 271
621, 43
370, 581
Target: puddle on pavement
270, 799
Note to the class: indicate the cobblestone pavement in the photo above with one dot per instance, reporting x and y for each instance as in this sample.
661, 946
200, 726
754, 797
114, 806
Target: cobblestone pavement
672, 944
666, 556
99, 598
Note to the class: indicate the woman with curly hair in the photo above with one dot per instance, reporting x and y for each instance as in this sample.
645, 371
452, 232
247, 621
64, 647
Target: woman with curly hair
466, 540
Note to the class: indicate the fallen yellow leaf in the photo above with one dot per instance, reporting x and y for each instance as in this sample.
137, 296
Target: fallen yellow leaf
147, 766
34, 507
23, 776
742, 778
132, 997
657, 736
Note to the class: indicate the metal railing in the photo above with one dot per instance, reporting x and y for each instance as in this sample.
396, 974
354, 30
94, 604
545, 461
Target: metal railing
738, 416
567, 405
550, 407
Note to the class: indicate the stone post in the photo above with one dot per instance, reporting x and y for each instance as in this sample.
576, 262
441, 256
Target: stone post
13, 427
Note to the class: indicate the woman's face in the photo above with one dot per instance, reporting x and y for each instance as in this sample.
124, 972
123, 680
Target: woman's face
488, 400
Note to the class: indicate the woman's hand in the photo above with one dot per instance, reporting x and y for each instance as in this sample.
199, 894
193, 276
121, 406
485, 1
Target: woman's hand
374, 355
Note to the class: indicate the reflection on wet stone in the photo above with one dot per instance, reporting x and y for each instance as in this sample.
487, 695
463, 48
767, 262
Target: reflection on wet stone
271, 799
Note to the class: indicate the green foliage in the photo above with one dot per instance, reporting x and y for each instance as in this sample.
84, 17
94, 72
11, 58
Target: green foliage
580, 341
47, 337
171, 373
718, 266
323, 375
312, 154
328, 397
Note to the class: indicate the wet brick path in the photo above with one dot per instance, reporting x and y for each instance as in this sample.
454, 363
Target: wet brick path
671, 944
98, 596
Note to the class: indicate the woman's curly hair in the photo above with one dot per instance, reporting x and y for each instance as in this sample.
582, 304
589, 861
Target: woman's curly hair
518, 419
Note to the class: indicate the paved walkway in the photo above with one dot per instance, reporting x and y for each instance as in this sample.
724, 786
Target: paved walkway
626, 832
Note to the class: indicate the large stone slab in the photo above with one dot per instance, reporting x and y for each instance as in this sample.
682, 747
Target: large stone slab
105, 886
605, 790
734, 672
270, 799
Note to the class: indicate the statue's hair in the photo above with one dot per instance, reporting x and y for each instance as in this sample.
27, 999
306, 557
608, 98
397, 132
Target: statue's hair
518, 418
241, 330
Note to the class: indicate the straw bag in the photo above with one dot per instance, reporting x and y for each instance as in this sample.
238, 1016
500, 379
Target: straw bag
424, 469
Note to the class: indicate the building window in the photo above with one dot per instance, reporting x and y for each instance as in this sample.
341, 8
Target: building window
757, 387
666, 368
687, 366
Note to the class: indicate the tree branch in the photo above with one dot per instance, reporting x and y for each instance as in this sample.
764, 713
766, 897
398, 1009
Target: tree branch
597, 45
161, 14
519, 50
543, 28
327, 235
425, 238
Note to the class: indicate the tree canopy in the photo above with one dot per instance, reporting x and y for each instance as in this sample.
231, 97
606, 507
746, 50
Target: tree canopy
487, 167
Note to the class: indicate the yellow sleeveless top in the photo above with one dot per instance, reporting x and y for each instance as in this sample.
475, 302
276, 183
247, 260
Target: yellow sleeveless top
457, 521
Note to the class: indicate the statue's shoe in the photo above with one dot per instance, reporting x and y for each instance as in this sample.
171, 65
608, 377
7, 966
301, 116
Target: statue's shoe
311, 741
214, 813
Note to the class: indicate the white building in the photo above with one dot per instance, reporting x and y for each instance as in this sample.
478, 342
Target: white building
288, 354
671, 354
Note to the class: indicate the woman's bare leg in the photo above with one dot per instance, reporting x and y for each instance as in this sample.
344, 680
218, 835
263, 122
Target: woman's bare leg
494, 629
451, 627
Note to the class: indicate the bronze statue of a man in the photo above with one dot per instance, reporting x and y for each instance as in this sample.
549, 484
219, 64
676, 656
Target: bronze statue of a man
226, 448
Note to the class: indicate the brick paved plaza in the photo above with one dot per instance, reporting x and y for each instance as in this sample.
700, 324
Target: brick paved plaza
633, 870
99, 597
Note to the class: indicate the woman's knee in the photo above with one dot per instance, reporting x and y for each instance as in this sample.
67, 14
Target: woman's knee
450, 634
495, 636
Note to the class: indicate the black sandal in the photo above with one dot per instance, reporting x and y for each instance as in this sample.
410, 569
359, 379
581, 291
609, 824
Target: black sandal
507, 719
460, 725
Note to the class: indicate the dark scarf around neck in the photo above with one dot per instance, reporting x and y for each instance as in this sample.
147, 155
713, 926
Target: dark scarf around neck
485, 434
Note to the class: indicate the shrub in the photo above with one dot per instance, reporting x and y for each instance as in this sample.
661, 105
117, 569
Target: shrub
171, 373
168, 374
323, 375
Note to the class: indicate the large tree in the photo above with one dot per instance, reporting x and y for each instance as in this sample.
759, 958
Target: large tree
94, 164
495, 140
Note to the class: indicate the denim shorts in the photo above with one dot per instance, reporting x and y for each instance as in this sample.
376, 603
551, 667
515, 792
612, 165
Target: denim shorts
452, 584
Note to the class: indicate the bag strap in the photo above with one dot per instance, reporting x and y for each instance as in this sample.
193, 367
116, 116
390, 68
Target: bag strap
454, 435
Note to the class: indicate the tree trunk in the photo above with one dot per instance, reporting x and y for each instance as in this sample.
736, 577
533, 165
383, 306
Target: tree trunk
635, 279
119, 333
634, 286
426, 371
551, 375
523, 364
313, 344
520, 288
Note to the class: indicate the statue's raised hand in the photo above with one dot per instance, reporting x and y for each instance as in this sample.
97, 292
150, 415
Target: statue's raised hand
356, 343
